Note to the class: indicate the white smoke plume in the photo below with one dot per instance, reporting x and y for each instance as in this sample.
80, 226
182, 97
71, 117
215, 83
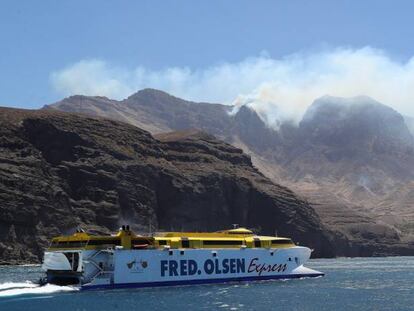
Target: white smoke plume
279, 89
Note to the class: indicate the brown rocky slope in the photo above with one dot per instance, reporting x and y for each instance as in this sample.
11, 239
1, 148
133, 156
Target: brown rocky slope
60, 170
352, 159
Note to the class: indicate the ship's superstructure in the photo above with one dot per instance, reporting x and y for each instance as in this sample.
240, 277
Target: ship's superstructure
172, 258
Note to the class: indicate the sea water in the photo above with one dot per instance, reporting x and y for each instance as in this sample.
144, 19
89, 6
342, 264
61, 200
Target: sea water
349, 284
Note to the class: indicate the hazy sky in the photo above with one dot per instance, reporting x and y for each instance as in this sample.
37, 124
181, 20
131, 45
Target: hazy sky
51, 49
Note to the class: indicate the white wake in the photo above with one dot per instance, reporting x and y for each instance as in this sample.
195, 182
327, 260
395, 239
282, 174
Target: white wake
10, 285
28, 288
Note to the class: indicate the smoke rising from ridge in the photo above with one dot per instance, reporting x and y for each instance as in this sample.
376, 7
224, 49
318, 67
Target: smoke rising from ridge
279, 89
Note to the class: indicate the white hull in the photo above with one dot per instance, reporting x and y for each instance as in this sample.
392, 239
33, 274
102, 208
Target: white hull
166, 267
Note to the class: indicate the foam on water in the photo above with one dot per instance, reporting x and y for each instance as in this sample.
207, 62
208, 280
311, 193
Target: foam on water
12, 285
16, 289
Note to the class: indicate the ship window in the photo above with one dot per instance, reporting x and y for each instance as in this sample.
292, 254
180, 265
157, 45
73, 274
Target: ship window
181, 252
170, 253
222, 242
73, 259
162, 242
105, 242
140, 242
185, 243
68, 244
257, 243
282, 241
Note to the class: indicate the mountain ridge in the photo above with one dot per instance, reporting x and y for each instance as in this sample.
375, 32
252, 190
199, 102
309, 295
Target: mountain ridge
358, 161
62, 170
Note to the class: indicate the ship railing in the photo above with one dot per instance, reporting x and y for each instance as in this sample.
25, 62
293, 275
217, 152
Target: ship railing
103, 274
99, 269
90, 258
97, 252
99, 273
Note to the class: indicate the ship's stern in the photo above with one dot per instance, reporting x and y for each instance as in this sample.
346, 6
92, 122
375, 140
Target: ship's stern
63, 267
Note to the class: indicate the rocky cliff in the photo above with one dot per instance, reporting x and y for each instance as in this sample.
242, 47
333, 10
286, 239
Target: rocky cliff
352, 159
59, 171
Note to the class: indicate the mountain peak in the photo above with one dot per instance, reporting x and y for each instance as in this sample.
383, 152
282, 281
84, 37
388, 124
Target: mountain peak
150, 91
148, 94
356, 119
345, 107
328, 102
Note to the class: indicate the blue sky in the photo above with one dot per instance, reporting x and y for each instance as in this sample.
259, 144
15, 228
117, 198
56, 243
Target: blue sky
40, 39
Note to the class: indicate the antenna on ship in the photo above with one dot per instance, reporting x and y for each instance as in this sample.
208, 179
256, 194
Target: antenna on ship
235, 226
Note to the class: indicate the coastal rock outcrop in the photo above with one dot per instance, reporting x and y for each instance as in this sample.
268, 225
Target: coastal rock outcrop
60, 171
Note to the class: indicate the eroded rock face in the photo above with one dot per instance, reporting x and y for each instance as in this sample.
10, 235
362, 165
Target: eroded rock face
59, 171
352, 159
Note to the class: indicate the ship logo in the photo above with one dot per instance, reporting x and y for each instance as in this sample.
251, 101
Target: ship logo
137, 265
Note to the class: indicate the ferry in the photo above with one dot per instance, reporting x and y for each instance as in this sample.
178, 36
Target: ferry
127, 259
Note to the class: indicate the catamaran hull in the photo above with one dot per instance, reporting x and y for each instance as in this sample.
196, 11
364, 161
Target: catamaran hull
121, 268
306, 274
